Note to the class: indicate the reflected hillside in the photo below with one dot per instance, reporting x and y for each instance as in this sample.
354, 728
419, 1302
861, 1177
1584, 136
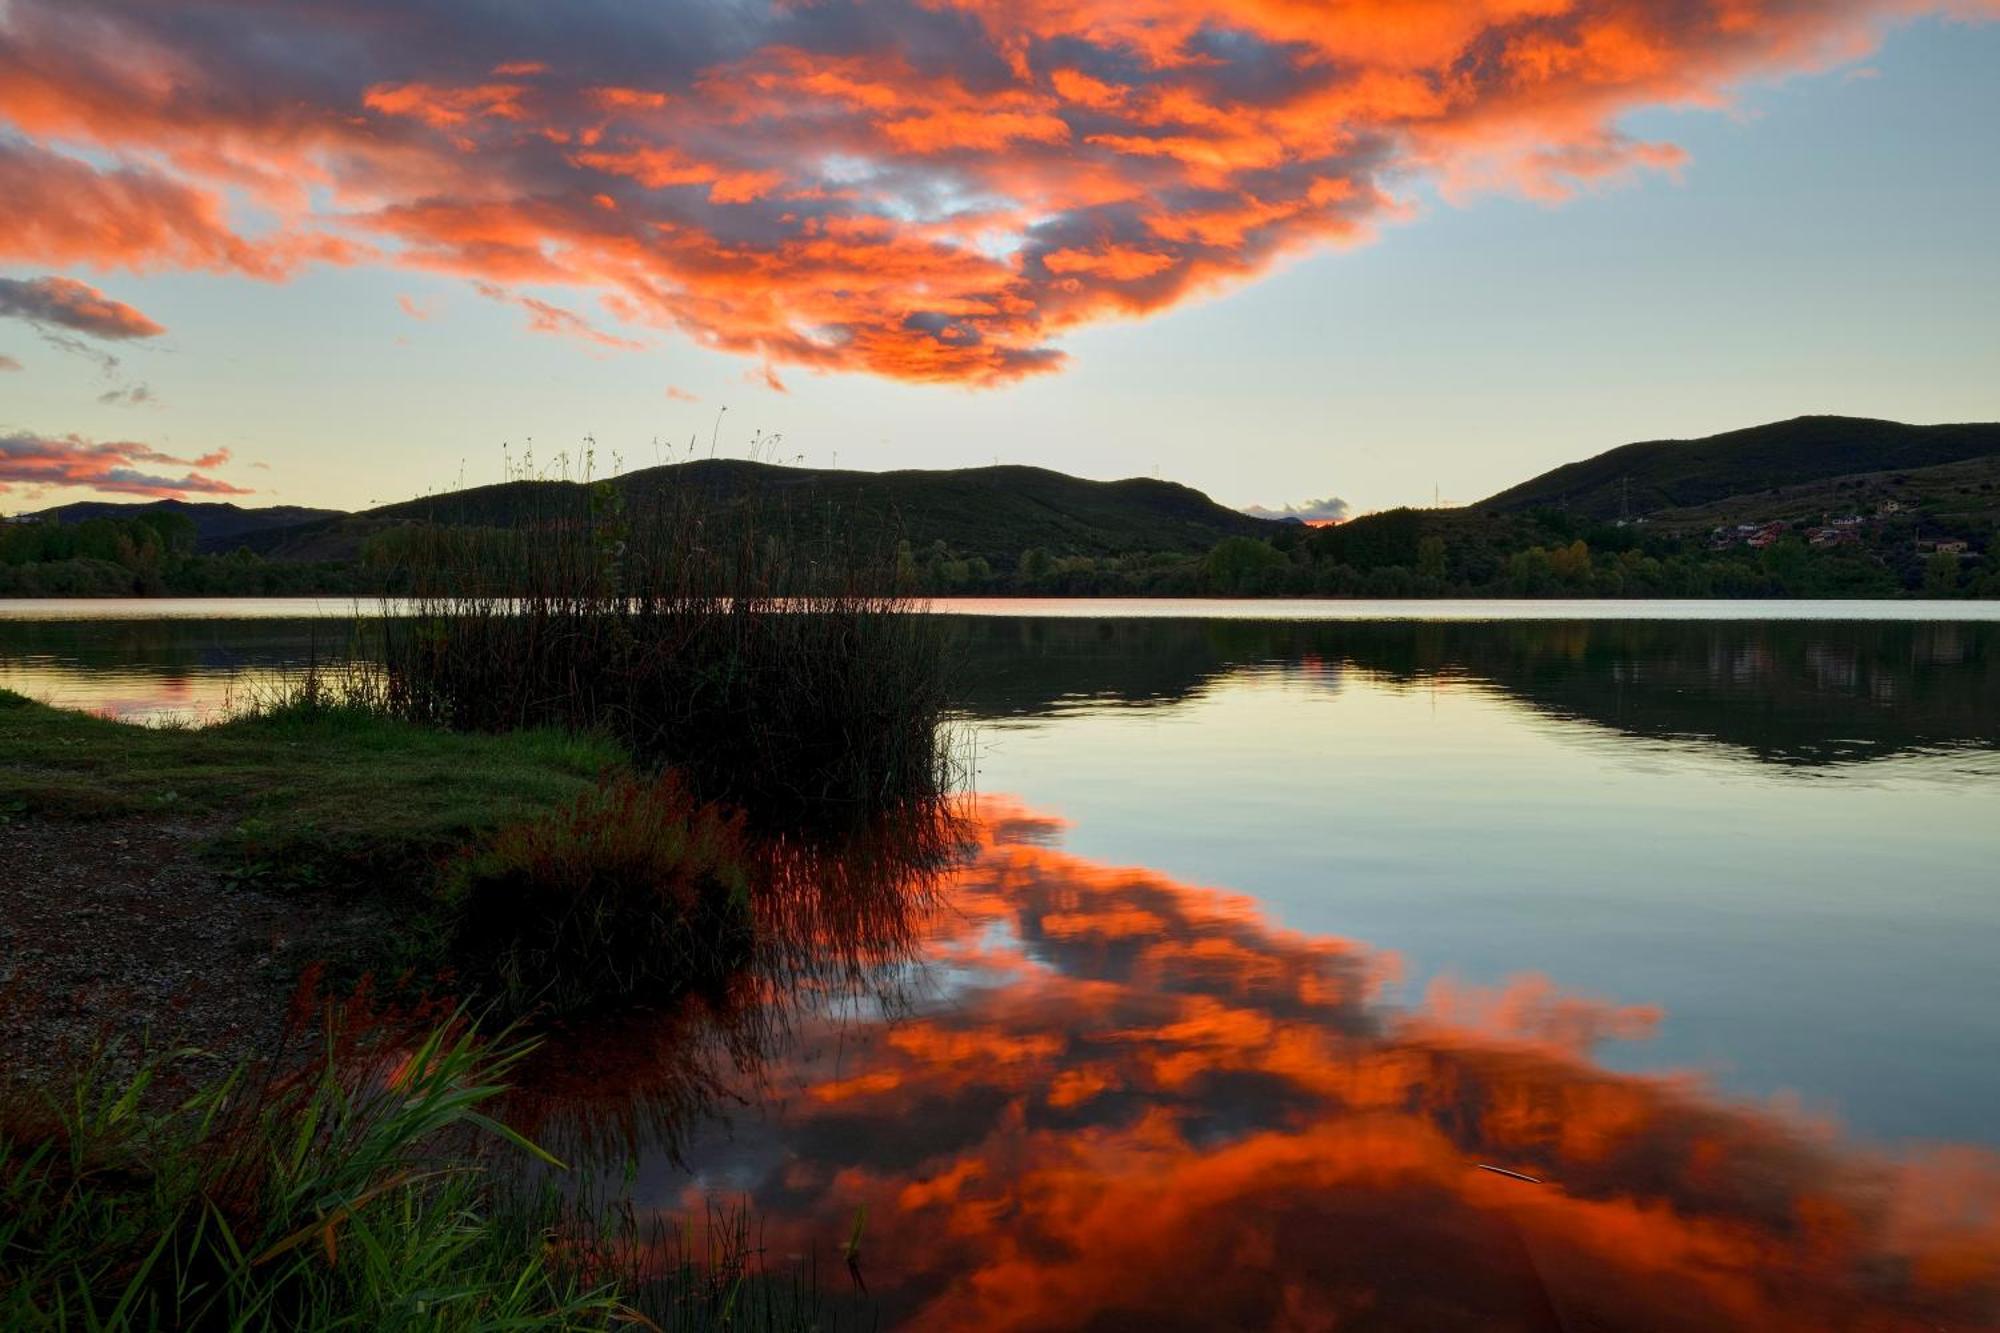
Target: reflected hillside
1791, 692
1135, 1103
155, 669
1788, 692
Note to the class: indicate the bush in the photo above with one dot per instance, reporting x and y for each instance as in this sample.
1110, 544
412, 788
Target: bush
633, 889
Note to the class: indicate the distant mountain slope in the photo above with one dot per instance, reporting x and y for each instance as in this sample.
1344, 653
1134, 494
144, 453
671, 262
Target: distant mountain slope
994, 512
1678, 474
217, 526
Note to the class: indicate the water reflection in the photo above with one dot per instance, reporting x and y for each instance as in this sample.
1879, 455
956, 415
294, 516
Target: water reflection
1782, 691
1793, 692
180, 670
1129, 1102
840, 926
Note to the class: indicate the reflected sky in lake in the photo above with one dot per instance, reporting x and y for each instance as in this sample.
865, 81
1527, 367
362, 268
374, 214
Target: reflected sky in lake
1279, 933
1130, 1101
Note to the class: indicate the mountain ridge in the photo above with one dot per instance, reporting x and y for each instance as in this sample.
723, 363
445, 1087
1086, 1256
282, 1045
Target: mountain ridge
1634, 480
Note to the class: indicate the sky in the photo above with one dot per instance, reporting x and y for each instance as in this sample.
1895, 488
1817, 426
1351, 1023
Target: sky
1318, 256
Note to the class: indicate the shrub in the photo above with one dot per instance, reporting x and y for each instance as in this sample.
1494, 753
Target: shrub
632, 889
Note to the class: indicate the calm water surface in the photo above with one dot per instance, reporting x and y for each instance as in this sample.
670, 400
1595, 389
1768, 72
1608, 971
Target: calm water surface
1280, 931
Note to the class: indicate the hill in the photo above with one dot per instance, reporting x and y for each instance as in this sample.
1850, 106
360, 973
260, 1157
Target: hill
1641, 479
989, 512
217, 526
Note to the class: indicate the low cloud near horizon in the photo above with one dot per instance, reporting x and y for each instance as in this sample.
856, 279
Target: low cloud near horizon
1332, 509
926, 190
120, 467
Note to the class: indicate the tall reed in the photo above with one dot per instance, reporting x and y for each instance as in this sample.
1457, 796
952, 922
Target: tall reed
773, 665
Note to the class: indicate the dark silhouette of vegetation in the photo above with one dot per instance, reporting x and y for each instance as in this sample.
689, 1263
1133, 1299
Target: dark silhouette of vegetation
770, 669
1648, 520
150, 552
1408, 553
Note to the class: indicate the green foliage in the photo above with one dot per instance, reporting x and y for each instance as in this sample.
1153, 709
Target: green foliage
319, 1197
363, 1183
1941, 574
1240, 566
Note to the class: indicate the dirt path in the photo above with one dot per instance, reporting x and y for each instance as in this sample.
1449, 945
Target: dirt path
117, 929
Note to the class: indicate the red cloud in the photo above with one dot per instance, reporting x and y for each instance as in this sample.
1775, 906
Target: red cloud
924, 189
679, 395
71, 460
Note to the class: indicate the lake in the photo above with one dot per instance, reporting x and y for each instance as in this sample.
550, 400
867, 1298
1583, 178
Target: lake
1530, 965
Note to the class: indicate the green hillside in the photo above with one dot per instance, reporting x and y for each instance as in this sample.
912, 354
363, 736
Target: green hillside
993, 512
1645, 478
217, 525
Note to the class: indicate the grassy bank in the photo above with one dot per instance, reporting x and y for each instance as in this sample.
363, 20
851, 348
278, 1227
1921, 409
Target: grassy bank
535, 870
299, 794
363, 1179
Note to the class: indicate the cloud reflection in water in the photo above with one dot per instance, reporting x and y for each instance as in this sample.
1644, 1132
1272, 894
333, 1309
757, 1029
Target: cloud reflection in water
1132, 1102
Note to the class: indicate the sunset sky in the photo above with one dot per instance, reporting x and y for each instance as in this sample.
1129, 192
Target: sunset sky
339, 251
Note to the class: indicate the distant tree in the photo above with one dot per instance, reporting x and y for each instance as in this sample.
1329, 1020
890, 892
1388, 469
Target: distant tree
1941, 574
1571, 563
1430, 557
1239, 565
176, 531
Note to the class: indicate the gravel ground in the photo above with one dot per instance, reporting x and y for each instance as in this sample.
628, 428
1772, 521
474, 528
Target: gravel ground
117, 929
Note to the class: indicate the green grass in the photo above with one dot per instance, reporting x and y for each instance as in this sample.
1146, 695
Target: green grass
297, 794
363, 1186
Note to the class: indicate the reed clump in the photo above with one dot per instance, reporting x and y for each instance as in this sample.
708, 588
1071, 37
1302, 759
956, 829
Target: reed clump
779, 673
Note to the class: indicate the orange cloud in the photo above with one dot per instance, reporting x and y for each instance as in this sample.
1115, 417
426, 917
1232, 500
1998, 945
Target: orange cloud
111, 466
922, 189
